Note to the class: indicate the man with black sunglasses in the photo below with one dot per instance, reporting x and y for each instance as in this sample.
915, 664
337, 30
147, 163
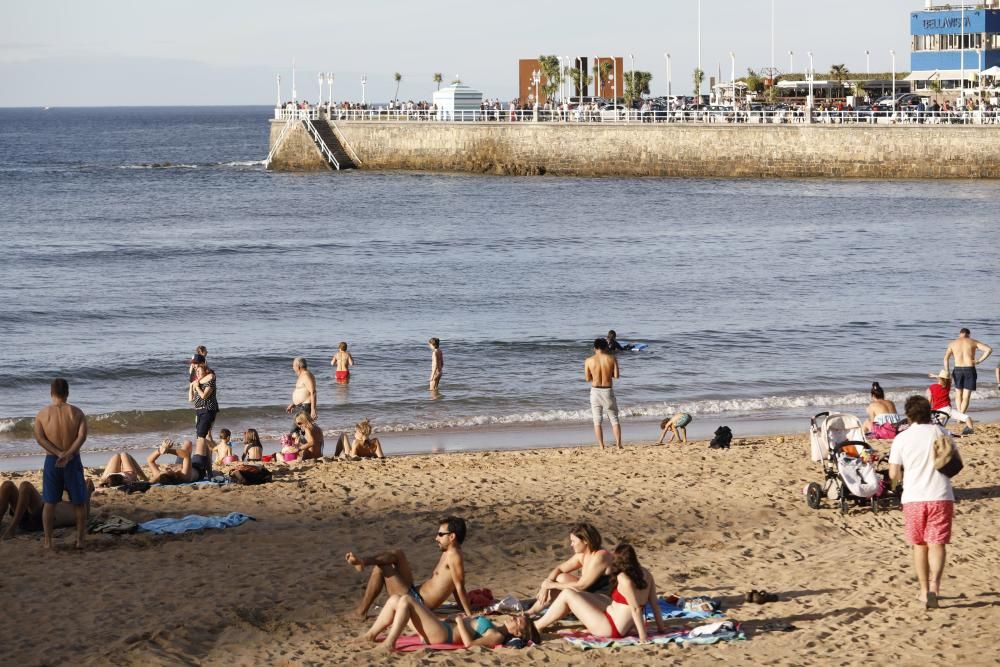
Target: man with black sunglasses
391, 572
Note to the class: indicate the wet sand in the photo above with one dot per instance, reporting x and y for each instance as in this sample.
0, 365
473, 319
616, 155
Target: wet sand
718, 523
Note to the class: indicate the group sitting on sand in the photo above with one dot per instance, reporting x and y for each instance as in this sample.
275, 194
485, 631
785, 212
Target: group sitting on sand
606, 592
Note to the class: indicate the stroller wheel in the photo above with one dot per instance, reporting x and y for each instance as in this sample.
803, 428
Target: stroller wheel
843, 504
814, 495
876, 508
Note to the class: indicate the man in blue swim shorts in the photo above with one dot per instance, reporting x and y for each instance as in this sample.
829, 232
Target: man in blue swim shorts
61, 429
964, 349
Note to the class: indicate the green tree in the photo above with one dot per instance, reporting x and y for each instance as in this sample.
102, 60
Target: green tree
935, 87
755, 84
699, 76
581, 80
839, 74
636, 84
551, 73
603, 74
438, 79
398, 77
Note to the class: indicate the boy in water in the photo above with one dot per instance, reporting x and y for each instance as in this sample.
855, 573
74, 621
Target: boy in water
343, 361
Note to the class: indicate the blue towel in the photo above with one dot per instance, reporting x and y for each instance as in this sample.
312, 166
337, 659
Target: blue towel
672, 611
192, 522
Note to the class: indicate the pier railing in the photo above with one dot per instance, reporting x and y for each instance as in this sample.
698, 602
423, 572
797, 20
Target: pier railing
621, 116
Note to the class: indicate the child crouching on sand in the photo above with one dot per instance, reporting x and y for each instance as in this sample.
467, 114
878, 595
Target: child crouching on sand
676, 425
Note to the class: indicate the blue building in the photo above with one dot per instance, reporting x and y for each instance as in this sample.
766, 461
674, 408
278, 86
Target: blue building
944, 36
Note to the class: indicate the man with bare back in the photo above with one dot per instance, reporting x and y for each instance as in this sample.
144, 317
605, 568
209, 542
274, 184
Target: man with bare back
391, 572
964, 349
61, 429
304, 394
601, 370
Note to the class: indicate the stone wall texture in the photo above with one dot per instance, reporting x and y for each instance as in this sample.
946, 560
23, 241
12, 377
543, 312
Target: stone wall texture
745, 151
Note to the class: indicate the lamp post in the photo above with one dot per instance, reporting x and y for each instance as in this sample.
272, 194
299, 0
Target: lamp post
979, 79
791, 62
868, 61
295, 95
812, 76
628, 112
772, 38
597, 76
614, 77
364, 87
279, 91
329, 82
699, 49
669, 80
321, 77
961, 55
892, 54
732, 58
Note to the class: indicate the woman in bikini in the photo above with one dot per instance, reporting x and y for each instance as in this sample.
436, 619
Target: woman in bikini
882, 420
173, 473
634, 589
363, 446
121, 469
253, 450
589, 559
401, 610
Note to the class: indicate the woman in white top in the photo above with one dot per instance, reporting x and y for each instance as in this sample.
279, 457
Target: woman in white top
928, 499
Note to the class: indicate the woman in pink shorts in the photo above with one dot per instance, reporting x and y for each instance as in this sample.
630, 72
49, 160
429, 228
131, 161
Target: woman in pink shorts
928, 499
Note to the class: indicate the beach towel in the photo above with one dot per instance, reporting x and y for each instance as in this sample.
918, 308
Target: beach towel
409, 643
113, 525
709, 634
679, 609
193, 522
218, 480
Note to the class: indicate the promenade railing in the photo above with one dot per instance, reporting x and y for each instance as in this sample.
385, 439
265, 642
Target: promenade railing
635, 116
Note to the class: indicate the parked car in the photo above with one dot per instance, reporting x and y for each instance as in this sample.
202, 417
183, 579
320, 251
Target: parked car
611, 111
901, 101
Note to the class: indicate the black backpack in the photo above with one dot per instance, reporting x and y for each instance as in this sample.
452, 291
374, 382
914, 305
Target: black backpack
723, 438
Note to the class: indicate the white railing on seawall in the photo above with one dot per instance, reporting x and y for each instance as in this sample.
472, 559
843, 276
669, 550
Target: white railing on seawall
634, 116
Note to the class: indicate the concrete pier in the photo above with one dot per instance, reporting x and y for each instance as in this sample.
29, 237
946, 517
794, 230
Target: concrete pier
659, 149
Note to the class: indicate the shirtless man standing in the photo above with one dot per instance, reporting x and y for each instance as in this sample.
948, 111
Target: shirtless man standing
964, 350
343, 362
601, 370
437, 363
61, 429
391, 571
304, 394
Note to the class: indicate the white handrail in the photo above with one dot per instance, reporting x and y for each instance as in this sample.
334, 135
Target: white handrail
322, 144
278, 142
740, 117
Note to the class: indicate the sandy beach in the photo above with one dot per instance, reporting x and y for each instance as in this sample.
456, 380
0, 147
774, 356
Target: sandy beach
717, 523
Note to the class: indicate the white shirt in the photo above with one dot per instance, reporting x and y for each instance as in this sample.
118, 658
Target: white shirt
914, 450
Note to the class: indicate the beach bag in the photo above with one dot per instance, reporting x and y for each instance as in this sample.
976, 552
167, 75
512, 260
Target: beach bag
723, 438
251, 475
947, 460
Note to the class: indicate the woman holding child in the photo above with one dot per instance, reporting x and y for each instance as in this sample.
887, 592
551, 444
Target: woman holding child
634, 588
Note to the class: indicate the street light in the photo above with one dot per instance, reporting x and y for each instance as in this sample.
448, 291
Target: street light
892, 52
732, 58
329, 82
812, 77
279, 91
669, 81
597, 76
295, 94
321, 77
699, 48
364, 87
868, 61
628, 112
791, 62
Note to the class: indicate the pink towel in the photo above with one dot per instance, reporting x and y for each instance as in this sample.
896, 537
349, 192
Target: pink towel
415, 643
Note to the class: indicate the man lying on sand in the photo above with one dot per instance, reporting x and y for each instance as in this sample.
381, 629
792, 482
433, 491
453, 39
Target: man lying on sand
391, 571
173, 474
24, 504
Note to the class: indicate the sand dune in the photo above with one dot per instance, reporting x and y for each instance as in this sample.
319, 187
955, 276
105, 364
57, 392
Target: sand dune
277, 591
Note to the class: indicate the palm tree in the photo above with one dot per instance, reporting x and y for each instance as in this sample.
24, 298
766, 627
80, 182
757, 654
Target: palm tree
636, 83
699, 76
549, 66
581, 81
437, 79
839, 74
398, 77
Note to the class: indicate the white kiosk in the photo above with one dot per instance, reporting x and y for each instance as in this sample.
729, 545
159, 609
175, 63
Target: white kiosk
458, 102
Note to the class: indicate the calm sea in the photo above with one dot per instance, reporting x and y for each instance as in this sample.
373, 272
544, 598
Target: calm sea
130, 236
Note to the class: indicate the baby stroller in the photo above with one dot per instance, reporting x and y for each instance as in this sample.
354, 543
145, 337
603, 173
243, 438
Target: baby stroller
850, 465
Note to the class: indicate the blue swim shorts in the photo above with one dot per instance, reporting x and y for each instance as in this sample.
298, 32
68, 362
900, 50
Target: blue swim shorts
964, 377
68, 478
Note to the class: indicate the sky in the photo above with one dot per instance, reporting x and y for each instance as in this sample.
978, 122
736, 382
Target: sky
229, 52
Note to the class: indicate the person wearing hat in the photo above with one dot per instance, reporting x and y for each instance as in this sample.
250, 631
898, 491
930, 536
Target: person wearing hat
939, 396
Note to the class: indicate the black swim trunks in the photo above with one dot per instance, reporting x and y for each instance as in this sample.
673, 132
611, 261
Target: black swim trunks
964, 377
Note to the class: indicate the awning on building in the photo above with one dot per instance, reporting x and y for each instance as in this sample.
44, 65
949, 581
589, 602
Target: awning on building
920, 75
993, 71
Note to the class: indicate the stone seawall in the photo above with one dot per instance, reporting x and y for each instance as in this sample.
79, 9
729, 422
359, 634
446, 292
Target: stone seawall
745, 151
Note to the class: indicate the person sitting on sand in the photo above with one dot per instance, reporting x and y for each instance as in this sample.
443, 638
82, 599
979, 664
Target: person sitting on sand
253, 450
363, 446
939, 396
391, 571
883, 422
676, 425
634, 589
24, 504
223, 449
312, 448
591, 561
121, 469
173, 473
403, 610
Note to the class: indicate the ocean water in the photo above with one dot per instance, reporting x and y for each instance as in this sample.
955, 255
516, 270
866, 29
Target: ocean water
130, 236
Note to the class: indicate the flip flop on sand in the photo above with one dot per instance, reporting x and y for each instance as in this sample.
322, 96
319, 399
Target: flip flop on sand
761, 597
